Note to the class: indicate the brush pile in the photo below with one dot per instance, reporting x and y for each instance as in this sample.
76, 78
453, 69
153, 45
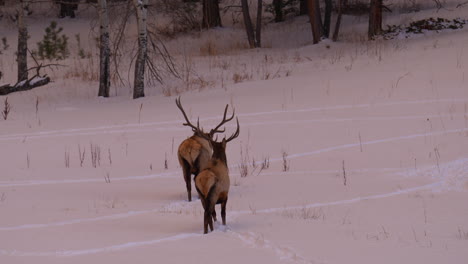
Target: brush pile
423, 26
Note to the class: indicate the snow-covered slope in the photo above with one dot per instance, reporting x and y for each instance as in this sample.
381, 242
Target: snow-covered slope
373, 136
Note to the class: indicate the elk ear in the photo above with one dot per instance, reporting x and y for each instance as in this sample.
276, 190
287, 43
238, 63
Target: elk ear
224, 143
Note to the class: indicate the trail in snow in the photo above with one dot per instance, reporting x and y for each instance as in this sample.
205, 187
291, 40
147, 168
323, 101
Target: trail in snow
177, 207
258, 241
81, 252
291, 156
49, 182
445, 177
138, 127
282, 252
450, 175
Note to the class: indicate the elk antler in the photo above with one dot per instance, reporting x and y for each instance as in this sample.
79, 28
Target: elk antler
195, 129
224, 121
236, 134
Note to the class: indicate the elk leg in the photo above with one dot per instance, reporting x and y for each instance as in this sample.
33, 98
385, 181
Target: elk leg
210, 214
213, 214
202, 198
188, 183
223, 210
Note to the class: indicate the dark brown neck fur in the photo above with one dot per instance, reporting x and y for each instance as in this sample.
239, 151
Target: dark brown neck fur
219, 152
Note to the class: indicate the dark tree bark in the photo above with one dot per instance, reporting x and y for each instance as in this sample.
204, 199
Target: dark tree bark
67, 8
104, 58
139, 81
278, 9
327, 18
22, 52
211, 16
303, 7
375, 18
338, 20
258, 33
248, 23
253, 36
315, 20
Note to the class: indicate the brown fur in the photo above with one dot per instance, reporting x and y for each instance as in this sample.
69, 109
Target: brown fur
194, 153
213, 185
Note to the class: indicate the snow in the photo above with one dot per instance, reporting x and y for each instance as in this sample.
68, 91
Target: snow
36, 80
389, 116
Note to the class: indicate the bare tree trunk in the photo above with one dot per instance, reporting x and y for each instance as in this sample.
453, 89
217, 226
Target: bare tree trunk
315, 20
327, 18
22, 53
258, 33
104, 58
278, 9
139, 82
338, 20
211, 16
248, 23
375, 18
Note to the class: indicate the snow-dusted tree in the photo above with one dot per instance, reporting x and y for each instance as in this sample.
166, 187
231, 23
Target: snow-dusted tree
211, 16
254, 37
104, 58
375, 18
22, 53
141, 7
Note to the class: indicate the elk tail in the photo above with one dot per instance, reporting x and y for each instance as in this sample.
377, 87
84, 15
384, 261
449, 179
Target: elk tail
210, 194
193, 156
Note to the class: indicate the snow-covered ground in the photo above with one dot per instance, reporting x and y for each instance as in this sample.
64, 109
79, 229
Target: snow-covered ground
374, 137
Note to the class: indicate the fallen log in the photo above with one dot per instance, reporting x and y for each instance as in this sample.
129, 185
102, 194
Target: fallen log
25, 85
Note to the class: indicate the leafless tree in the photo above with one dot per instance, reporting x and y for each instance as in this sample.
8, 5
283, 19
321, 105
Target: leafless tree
375, 18
141, 7
315, 19
104, 58
211, 16
22, 53
338, 19
254, 37
327, 18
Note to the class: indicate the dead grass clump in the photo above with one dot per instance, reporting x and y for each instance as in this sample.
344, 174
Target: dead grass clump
209, 48
83, 69
304, 213
462, 234
241, 77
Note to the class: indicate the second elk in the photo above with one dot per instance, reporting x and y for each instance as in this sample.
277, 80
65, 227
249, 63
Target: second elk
213, 183
195, 152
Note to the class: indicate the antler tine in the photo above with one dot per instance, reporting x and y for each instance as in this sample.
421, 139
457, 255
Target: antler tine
236, 134
224, 121
188, 123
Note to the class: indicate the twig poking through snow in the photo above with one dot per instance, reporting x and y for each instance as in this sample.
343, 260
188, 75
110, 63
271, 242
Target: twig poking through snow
285, 161
139, 113
360, 141
6, 109
344, 175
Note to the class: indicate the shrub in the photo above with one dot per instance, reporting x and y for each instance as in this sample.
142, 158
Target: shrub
53, 45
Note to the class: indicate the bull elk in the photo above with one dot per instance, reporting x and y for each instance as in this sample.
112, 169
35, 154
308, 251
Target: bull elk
213, 183
195, 152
